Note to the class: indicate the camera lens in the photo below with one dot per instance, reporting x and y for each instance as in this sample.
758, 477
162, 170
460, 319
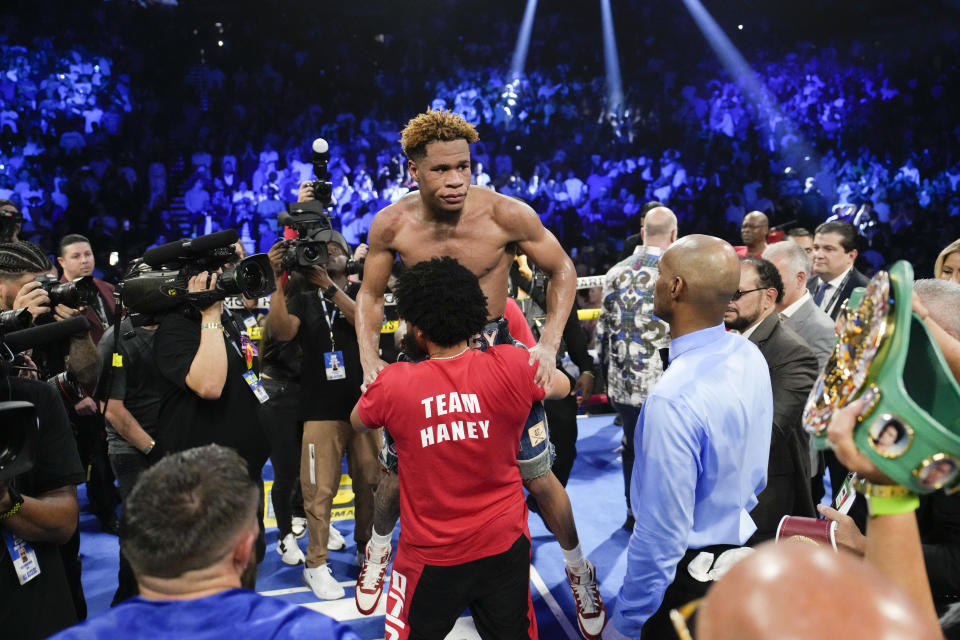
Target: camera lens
251, 277
66, 294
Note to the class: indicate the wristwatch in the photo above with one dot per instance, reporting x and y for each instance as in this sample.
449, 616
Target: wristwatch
330, 291
16, 502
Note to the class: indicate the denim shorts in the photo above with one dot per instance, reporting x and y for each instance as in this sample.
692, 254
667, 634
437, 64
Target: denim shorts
533, 460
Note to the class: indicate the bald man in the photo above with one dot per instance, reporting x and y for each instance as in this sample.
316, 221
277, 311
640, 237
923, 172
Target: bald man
753, 231
630, 336
792, 590
702, 443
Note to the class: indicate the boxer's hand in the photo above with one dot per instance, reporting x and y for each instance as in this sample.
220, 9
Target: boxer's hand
370, 373
546, 359
840, 433
848, 535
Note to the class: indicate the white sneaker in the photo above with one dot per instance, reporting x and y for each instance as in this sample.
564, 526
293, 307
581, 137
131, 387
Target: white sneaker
591, 613
289, 551
322, 583
370, 580
336, 541
299, 526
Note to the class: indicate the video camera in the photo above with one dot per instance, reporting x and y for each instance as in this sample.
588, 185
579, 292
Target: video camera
311, 219
18, 438
158, 282
18, 420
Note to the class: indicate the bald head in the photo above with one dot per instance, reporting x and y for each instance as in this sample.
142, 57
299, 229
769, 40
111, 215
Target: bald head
754, 230
698, 276
942, 299
659, 227
792, 590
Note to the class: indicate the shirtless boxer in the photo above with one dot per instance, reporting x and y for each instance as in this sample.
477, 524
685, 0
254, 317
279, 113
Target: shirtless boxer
482, 230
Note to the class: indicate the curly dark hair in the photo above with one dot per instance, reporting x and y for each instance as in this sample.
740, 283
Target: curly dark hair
443, 299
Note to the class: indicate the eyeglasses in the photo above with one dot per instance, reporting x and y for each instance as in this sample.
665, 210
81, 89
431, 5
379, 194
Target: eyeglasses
739, 294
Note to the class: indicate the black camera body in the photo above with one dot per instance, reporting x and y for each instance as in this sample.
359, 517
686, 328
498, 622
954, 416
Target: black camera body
311, 219
19, 433
157, 283
74, 294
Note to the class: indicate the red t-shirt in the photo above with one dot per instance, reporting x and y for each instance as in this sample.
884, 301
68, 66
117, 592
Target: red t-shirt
457, 426
517, 323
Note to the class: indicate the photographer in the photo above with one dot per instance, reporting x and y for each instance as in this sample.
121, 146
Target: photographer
20, 265
77, 260
209, 394
38, 513
11, 221
75, 365
323, 320
128, 392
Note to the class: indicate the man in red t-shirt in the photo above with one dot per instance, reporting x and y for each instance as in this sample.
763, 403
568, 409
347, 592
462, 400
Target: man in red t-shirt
456, 419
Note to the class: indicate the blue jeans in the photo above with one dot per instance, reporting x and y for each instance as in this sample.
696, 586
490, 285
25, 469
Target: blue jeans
629, 414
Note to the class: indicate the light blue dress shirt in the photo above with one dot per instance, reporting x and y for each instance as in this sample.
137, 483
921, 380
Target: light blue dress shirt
702, 445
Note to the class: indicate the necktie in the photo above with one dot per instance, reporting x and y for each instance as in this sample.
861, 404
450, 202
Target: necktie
821, 291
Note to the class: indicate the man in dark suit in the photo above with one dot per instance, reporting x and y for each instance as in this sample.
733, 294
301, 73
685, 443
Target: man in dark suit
793, 370
797, 309
834, 251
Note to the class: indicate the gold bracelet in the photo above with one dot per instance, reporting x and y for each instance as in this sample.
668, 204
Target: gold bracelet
866, 488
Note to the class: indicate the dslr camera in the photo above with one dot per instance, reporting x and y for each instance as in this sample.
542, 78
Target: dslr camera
74, 294
157, 283
311, 219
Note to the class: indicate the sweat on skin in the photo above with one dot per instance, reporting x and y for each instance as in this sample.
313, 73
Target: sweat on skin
452, 403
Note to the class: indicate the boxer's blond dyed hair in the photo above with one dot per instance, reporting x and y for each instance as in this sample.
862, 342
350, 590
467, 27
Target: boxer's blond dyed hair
434, 126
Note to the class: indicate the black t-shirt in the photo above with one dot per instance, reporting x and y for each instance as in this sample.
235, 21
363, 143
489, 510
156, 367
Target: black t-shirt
137, 383
323, 399
186, 419
43, 605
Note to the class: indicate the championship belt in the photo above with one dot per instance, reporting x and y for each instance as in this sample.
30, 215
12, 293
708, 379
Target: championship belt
910, 423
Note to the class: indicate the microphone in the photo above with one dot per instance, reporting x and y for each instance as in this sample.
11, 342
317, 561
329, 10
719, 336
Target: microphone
173, 251
159, 256
45, 334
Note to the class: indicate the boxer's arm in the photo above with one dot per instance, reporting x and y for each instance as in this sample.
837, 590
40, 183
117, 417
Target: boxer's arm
545, 251
369, 307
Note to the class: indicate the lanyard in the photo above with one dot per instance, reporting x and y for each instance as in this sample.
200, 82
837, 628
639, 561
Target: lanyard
233, 336
330, 317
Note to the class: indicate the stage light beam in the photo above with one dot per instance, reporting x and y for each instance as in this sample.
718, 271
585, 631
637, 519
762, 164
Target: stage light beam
519, 60
741, 71
611, 61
